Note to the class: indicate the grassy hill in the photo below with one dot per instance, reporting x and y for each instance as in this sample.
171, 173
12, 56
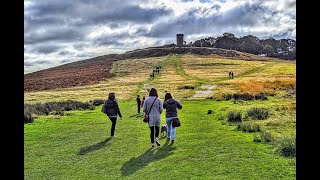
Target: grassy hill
76, 145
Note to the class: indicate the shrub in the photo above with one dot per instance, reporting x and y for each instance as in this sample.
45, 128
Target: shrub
186, 87
234, 116
258, 113
249, 127
263, 136
227, 96
261, 96
28, 118
287, 146
266, 137
46, 108
97, 102
60, 113
245, 96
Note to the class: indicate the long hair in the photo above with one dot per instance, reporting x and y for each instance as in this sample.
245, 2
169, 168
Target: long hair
168, 96
153, 92
112, 95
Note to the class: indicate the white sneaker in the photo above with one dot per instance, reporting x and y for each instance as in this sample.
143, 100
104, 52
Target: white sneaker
113, 136
157, 142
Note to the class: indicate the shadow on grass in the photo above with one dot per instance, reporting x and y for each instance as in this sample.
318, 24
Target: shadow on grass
137, 115
93, 147
151, 155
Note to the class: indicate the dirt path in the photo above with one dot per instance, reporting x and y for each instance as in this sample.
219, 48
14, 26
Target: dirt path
204, 91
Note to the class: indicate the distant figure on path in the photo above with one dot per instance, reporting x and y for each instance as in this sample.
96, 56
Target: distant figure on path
142, 102
138, 103
154, 115
232, 75
112, 111
171, 105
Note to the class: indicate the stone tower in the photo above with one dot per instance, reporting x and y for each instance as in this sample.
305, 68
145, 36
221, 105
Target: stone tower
179, 39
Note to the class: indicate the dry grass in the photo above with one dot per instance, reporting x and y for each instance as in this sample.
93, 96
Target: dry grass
212, 69
128, 76
170, 81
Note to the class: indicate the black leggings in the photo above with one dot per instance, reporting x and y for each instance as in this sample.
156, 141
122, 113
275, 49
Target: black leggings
113, 126
152, 133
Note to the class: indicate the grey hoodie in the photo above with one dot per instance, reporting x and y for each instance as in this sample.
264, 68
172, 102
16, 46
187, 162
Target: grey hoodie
171, 106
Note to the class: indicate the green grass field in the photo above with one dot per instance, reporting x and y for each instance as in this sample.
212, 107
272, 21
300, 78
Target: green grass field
76, 145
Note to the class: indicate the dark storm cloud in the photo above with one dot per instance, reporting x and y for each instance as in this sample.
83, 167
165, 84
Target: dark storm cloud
61, 34
246, 15
45, 49
36, 62
111, 39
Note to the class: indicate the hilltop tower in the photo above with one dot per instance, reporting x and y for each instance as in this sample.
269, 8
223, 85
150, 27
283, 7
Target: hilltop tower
179, 39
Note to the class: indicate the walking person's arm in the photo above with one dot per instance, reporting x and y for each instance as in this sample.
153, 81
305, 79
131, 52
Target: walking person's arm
179, 105
160, 106
118, 110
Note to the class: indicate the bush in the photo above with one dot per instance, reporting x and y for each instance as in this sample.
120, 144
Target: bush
234, 116
186, 87
261, 96
46, 108
263, 137
97, 102
28, 118
249, 127
60, 113
258, 113
227, 96
266, 137
246, 97
287, 146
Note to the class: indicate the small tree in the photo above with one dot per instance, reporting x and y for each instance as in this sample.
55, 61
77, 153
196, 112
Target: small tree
268, 49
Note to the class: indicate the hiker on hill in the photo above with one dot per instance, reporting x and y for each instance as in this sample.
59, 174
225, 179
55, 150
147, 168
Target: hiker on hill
156, 106
142, 102
138, 103
113, 111
171, 105
232, 75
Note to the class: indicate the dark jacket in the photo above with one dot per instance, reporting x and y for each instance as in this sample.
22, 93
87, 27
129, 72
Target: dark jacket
112, 108
138, 101
171, 106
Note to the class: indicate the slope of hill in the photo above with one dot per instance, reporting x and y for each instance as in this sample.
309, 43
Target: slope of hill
92, 71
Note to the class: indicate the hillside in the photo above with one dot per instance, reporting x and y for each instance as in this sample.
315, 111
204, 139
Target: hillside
75, 144
92, 71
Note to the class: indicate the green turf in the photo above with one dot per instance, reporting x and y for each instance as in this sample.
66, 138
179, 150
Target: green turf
78, 147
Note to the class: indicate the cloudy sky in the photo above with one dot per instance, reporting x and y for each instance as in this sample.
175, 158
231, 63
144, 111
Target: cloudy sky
62, 31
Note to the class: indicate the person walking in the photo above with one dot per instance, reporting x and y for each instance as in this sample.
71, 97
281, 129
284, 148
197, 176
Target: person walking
154, 115
138, 103
142, 102
113, 111
171, 105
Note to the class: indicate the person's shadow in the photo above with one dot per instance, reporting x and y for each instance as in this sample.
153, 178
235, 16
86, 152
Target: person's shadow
137, 115
94, 147
151, 155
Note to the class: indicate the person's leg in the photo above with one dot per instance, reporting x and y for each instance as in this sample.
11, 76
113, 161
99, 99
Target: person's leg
173, 132
157, 131
113, 126
168, 127
157, 128
152, 134
139, 109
